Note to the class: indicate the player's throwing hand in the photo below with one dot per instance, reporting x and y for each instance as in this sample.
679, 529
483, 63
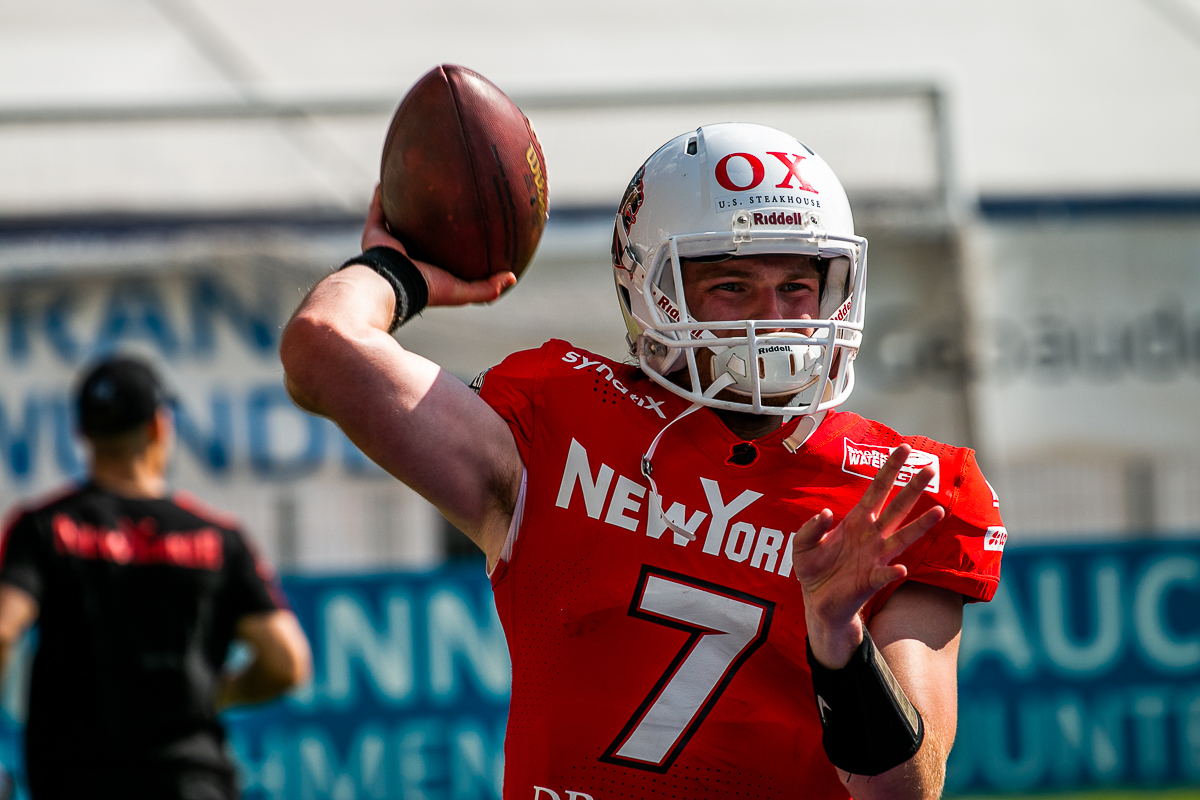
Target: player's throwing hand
444, 288
841, 566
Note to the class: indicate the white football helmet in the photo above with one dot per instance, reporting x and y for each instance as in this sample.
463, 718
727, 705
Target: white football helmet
730, 190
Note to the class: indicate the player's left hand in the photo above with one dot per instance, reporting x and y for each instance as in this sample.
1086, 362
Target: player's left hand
841, 566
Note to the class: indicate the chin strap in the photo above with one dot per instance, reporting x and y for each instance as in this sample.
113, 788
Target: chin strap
804, 429
720, 383
792, 443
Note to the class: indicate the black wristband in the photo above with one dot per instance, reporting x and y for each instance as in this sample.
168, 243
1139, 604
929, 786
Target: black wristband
869, 725
412, 291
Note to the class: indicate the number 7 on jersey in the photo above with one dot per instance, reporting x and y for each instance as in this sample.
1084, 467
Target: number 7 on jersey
725, 627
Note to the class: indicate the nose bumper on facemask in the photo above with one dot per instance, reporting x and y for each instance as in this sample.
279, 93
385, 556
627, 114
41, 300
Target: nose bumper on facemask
782, 369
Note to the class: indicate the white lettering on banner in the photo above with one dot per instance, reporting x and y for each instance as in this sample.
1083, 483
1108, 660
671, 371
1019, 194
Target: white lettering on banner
1176, 655
1000, 630
865, 460
1105, 646
605, 371
578, 471
213, 329
37, 437
1135, 718
419, 757
414, 757
350, 636
995, 629
476, 762
455, 633
322, 775
722, 514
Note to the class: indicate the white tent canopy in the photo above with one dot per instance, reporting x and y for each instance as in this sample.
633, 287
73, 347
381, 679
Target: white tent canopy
227, 105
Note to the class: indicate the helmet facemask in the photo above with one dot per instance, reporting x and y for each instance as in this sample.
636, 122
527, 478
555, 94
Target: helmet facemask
780, 367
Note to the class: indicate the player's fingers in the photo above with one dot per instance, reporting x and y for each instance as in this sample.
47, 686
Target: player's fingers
810, 533
488, 289
375, 230
905, 499
901, 539
882, 576
375, 210
381, 237
877, 491
502, 281
447, 290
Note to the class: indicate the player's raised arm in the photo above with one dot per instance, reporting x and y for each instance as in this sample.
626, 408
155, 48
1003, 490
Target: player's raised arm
890, 738
419, 423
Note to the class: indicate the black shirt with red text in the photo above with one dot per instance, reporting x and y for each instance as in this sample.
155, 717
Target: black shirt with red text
138, 600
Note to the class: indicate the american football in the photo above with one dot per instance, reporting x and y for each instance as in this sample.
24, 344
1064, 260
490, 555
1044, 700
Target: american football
463, 179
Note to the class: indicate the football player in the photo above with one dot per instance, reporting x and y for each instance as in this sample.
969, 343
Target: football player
712, 582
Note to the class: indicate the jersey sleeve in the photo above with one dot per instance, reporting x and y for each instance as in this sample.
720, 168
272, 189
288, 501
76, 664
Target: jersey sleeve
252, 584
962, 552
512, 387
22, 558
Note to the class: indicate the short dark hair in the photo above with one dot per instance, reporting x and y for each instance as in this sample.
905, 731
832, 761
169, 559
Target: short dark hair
118, 396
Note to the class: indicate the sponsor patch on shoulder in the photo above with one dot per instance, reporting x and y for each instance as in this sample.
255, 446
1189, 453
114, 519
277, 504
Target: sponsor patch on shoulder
995, 538
867, 459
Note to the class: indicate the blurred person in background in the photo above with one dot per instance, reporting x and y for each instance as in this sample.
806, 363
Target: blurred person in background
138, 593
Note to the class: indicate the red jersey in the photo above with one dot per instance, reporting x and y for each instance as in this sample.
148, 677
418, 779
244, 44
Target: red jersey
649, 665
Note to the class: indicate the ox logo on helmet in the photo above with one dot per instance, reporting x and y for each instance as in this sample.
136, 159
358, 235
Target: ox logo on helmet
758, 172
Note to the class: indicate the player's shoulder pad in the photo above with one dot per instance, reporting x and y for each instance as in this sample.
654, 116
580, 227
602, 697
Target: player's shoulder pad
554, 360
958, 483
575, 360
866, 443
516, 368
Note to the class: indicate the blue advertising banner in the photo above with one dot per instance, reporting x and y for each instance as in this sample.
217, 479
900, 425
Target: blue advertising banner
409, 697
1084, 671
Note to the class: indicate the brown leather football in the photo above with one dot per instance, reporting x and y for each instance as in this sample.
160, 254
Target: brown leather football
463, 176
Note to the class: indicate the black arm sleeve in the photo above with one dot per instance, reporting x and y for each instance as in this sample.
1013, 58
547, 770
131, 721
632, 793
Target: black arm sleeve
22, 557
253, 587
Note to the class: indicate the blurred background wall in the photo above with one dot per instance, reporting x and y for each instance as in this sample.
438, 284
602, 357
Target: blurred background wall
174, 174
